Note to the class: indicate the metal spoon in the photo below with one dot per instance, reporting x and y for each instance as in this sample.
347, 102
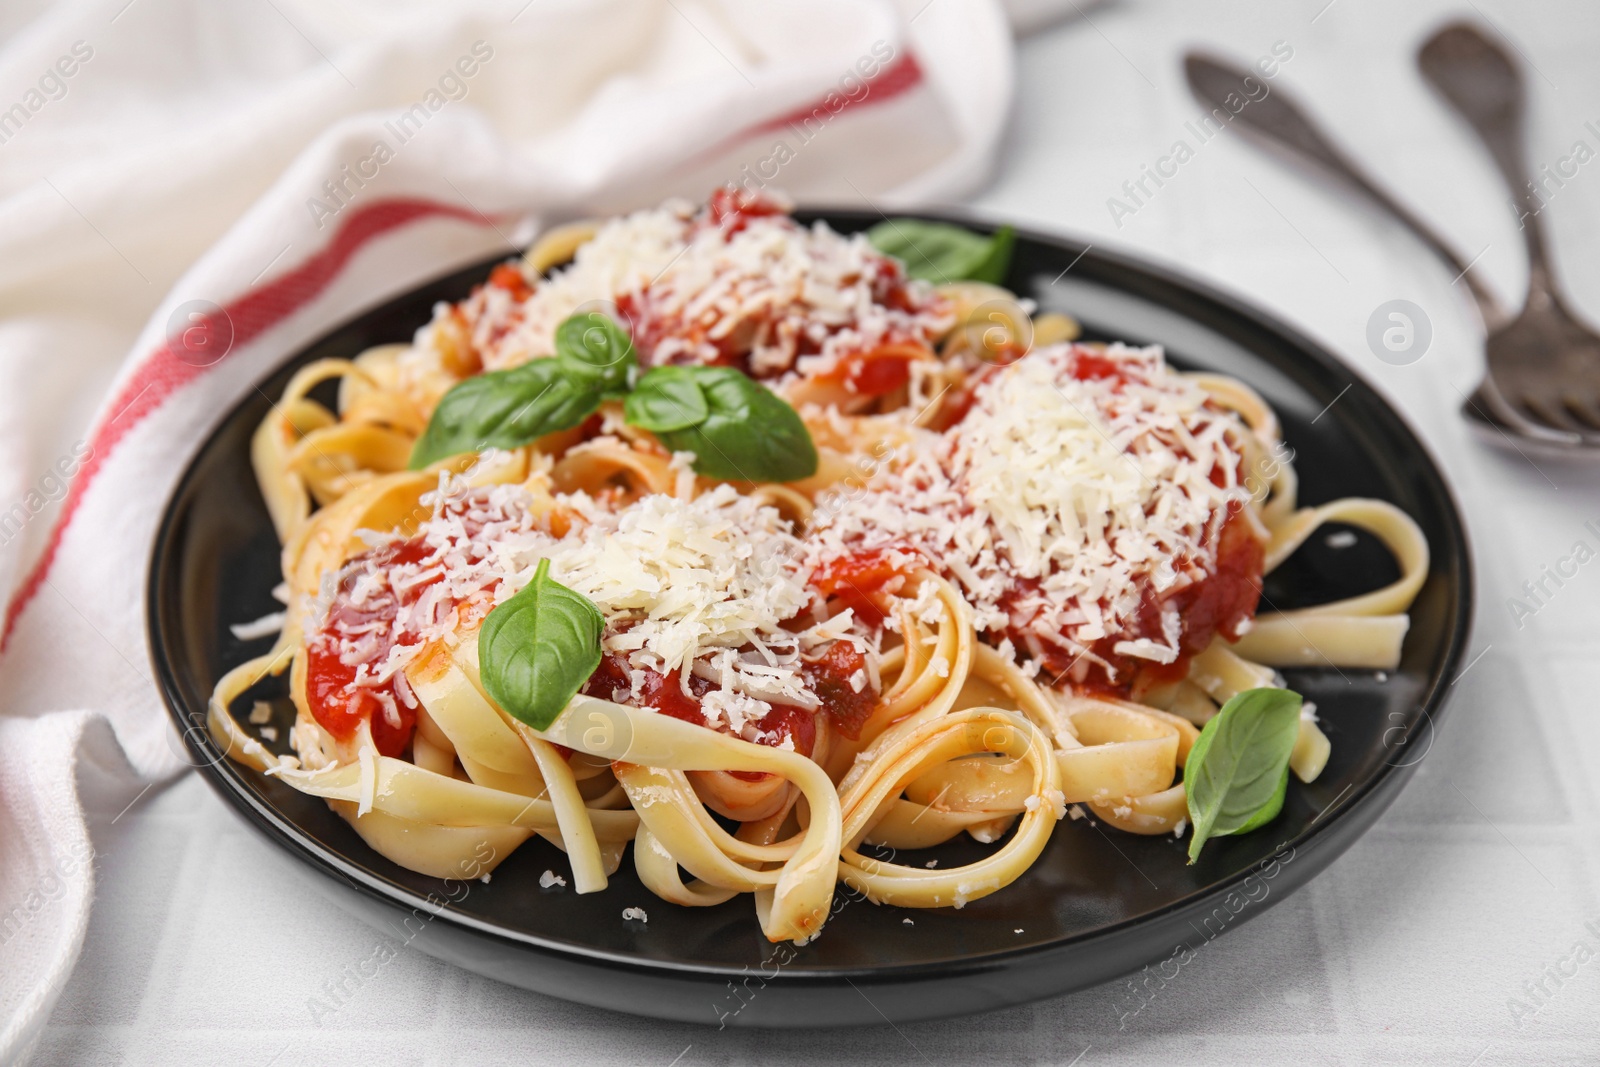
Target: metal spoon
1544, 361
1279, 123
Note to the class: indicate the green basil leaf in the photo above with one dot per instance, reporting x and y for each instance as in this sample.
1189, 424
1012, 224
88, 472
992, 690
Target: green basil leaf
997, 263
1273, 806
537, 649
1237, 772
507, 409
939, 252
749, 434
666, 399
594, 344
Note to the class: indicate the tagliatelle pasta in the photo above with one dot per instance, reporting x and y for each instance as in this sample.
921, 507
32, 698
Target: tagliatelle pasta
1024, 574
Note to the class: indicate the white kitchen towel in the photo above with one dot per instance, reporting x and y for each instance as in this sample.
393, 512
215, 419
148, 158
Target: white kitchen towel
278, 167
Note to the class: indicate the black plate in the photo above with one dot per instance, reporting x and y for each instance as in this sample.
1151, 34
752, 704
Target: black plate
1097, 904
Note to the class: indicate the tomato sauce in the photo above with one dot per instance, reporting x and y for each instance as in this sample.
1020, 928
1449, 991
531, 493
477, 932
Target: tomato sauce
1089, 366
829, 678
876, 371
505, 276
1220, 602
650, 330
664, 693
337, 703
858, 581
730, 209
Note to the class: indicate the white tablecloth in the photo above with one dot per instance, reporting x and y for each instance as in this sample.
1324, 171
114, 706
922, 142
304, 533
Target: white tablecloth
1456, 932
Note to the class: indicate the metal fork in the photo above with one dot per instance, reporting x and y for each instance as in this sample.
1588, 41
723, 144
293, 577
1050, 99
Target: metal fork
1281, 124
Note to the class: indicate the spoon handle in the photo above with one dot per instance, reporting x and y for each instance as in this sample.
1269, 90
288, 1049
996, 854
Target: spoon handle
1273, 117
1483, 84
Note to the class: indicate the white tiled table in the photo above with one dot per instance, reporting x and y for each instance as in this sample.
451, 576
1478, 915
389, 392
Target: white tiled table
205, 945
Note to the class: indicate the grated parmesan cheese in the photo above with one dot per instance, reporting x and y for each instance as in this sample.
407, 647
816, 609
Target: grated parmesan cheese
782, 296
700, 586
692, 583
265, 626
1060, 505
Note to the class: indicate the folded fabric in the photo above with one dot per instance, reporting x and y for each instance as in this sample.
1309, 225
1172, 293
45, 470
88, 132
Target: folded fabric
289, 164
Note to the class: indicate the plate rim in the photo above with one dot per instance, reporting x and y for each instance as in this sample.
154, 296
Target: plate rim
227, 778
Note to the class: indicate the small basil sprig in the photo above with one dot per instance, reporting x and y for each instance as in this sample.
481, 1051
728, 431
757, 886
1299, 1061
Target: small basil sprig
1238, 768
505, 409
537, 649
939, 252
594, 361
595, 345
737, 429
667, 399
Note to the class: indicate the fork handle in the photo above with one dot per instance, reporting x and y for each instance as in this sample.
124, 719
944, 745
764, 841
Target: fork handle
1484, 86
1279, 123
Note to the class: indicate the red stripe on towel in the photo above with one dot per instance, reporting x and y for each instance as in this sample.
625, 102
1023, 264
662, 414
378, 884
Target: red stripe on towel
253, 313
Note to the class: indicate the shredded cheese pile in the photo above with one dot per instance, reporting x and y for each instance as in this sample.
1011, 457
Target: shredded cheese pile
792, 298
689, 583
1058, 503
701, 586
